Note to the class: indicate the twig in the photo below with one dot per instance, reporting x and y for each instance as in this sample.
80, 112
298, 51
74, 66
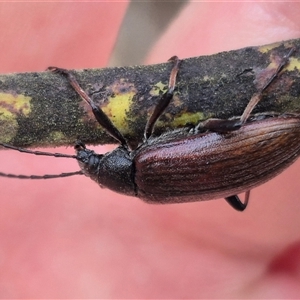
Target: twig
41, 109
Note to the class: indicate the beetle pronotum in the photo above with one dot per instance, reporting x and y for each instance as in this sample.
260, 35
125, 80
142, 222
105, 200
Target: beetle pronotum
218, 158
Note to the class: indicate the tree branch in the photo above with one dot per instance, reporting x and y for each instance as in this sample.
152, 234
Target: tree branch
41, 109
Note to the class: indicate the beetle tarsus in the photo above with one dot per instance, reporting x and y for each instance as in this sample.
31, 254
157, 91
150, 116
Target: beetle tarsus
236, 203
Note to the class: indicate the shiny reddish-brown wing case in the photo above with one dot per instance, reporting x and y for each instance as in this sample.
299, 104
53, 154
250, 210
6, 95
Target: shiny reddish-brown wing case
213, 165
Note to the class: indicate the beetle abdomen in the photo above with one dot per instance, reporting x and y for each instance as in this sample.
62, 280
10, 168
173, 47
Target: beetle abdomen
213, 165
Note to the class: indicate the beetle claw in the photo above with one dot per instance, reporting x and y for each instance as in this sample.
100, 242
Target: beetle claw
236, 203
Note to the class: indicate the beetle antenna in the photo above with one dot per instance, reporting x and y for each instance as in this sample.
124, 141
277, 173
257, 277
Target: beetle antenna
37, 152
99, 114
46, 176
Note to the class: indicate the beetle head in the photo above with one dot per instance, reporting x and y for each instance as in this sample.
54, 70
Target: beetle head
113, 170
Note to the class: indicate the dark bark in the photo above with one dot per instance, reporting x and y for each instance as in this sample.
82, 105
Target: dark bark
41, 109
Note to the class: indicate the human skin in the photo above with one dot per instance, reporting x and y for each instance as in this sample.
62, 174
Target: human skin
68, 238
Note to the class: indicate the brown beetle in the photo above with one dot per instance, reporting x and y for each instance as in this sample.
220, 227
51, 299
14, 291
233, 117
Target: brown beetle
217, 158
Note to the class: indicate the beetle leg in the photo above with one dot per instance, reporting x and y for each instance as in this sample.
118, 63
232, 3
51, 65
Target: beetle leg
236, 203
219, 125
164, 100
100, 116
257, 97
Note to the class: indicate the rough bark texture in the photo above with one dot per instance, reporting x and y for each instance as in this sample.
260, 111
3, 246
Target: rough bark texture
42, 109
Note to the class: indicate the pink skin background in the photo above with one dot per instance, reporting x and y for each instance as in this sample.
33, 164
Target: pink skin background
67, 238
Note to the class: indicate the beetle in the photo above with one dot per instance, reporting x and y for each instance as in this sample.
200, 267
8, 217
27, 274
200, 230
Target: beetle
216, 159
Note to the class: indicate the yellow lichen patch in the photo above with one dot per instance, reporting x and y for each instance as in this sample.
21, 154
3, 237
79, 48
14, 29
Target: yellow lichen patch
10, 107
208, 78
58, 137
118, 103
267, 48
187, 118
294, 63
116, 110
184, 119
9, 128
158, 88
14, 104
176, 101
